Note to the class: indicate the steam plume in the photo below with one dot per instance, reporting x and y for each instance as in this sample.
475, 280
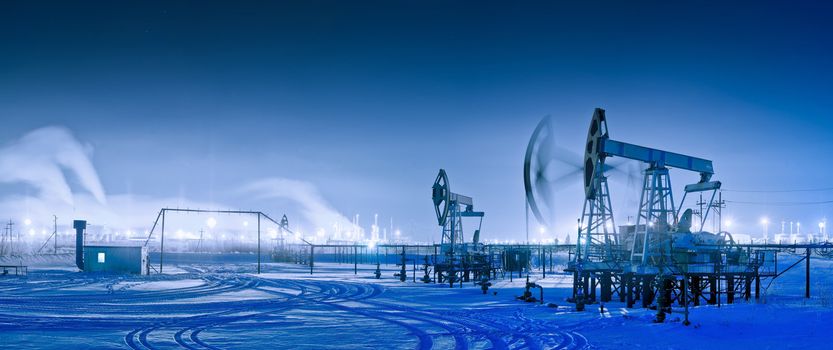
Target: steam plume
37, 159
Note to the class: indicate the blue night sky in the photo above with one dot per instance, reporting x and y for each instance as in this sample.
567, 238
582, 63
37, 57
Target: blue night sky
365, 101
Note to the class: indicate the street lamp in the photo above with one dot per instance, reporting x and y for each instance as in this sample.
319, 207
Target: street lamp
211, 222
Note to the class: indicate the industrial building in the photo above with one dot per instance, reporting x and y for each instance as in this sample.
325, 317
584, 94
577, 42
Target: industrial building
113, 258
108, 258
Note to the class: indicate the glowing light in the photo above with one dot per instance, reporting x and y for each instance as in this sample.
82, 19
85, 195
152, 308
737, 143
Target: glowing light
398, 233
31, 232
728, 223
609, 226
321, 232
542, 230
27, 221
764, 221
211, 222
371, 244
245, 224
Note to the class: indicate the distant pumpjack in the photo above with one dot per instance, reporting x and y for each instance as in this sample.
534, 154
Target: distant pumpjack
450, 209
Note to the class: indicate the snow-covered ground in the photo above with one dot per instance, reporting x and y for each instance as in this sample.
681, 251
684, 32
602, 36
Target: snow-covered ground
227, 306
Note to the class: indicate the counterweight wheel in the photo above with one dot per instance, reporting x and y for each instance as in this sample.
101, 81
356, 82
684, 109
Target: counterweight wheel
441, 195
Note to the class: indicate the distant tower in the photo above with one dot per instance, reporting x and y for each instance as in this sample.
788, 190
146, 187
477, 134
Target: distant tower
374, 230
356, 227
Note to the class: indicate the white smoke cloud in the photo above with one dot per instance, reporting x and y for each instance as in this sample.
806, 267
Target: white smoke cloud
38, 158
120, 212
45, 157
316, 210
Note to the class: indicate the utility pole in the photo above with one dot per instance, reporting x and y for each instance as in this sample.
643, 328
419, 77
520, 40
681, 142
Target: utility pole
258, 242
700, 204
718, 207
55, 231
11, 237
162, 244
199, 244
3, 239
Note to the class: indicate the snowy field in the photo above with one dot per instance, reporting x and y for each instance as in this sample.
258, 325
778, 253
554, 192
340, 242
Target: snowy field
227, 306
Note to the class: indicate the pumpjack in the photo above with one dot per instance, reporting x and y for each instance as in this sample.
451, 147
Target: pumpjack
460, 259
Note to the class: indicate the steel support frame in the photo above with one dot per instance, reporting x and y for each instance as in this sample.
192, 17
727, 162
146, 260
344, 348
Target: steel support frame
656, 216
163, 211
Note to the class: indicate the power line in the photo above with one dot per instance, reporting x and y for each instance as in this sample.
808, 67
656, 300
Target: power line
825, 189
782, 203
